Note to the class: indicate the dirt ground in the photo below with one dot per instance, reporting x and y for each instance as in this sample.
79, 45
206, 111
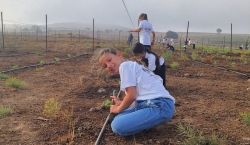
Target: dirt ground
207, 98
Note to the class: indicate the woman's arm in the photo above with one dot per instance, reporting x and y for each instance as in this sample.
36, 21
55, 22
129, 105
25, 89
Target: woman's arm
127, 101
136, 30
153, 40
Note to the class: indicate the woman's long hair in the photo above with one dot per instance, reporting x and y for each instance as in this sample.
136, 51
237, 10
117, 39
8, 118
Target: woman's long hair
139, 48
143, 16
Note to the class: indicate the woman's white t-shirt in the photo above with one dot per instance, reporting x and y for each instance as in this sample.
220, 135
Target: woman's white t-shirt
151, 61
146, 29
148, 85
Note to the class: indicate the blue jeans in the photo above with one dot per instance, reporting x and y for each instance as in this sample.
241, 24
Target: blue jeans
144, 115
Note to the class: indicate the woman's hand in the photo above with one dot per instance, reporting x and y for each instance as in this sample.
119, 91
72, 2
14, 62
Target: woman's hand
114, 109
115, 100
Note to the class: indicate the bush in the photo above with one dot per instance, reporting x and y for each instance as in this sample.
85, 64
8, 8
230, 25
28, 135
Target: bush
174, 65
167, 55
15, 83
194, 55
245, 117
51, 108
5, 111
3, 76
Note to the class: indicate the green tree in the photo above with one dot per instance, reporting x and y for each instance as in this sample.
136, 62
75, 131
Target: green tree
25, 29
35, 28
107, 30
172, 34
218, 30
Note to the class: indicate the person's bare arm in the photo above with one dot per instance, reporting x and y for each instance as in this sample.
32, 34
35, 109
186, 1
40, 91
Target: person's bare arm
127, 101
153, 40
136, 30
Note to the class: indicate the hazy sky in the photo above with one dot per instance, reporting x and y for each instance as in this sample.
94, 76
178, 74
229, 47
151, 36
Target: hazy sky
203, 15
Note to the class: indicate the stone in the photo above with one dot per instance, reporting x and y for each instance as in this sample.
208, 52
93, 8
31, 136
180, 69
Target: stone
92, 109
248, 80
101, 90
186, 75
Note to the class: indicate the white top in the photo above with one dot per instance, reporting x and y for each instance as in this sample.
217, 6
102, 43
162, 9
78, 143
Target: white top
148, 85
146, 29
151, 61
172, 41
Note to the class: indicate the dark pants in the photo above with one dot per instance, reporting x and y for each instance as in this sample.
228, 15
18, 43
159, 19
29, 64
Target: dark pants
193, 46
148, 46
161, 72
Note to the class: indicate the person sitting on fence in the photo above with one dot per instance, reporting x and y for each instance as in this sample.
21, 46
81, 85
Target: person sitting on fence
170, 47
130, 39
154, 62
146, 104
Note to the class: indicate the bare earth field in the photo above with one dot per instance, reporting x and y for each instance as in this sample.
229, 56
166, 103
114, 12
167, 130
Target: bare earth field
207, 98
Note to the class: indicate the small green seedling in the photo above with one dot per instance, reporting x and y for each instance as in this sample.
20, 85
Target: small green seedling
57, 59
15, 66
107, 103
215, 63
41, 62
69, 55
233, 64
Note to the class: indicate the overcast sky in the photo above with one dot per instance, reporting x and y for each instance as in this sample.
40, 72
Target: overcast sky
203, 15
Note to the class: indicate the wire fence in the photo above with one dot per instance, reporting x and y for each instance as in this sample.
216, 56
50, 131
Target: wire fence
17, 38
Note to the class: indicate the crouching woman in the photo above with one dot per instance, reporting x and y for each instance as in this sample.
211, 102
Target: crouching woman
146, 104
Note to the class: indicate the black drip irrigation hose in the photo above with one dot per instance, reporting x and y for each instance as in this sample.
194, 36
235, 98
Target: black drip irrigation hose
248, 76
36, 65
110, 116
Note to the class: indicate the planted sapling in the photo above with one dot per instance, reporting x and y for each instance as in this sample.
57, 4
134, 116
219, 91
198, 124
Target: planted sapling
42, 62
15, 66
57, 59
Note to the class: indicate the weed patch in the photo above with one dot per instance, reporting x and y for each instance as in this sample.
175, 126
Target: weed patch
174, 65
15, 83
5, 111
3, 76
196, 137
245, 117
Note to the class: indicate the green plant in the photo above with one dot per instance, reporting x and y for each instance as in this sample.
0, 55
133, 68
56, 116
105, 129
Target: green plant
245, 117
194, 55
202, 60
107, 103
233, 64
127, 50
51, 108
15, 83
15, 66
245, 61
5, 111
196, 137
174, 65
69, 55
41, 62
57, 59
3, 76
167, 55
215, 63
